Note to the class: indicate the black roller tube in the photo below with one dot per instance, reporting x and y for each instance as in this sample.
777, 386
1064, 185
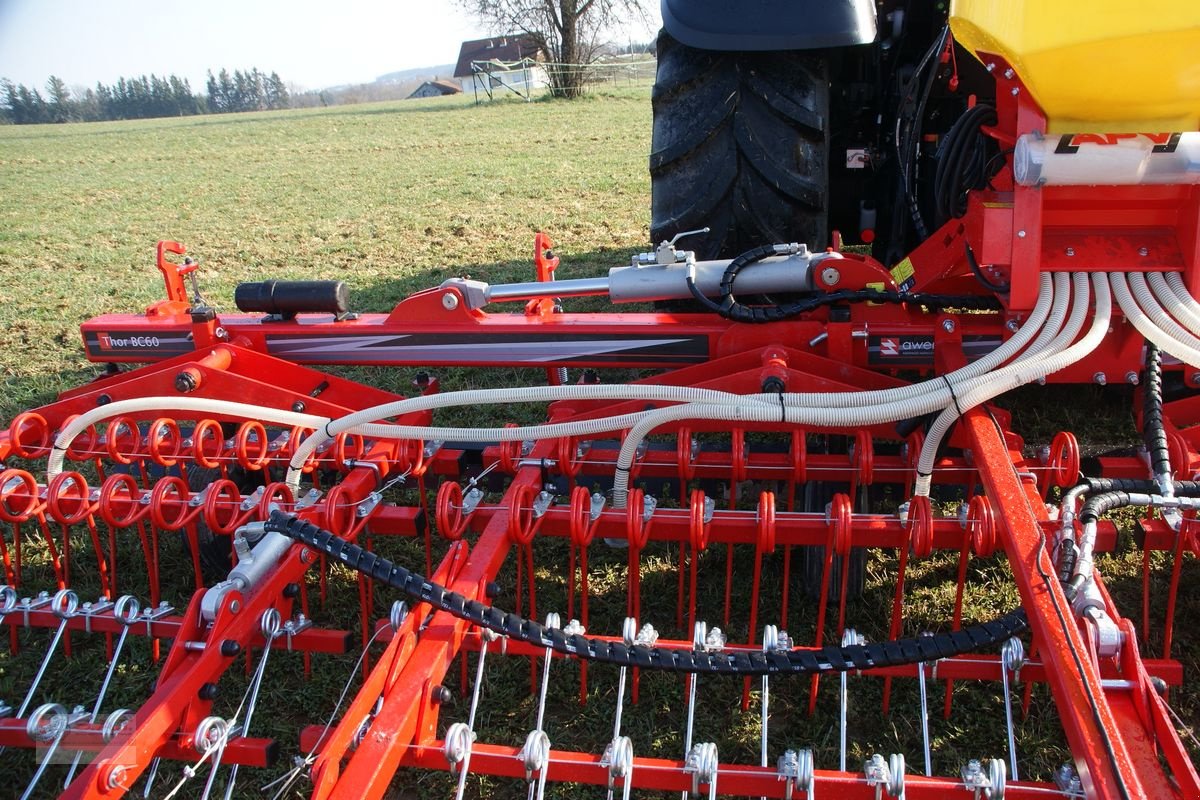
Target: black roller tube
807, 662
289, 298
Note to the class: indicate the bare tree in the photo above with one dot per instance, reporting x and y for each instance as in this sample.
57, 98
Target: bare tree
570, 32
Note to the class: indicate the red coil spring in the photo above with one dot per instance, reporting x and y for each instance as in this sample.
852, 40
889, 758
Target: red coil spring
18, 485
122, 440
67, 498
29, 434
448, 513
981, 524
920, 526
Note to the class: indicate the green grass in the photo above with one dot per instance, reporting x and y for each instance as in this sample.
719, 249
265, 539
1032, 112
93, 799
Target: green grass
393, 198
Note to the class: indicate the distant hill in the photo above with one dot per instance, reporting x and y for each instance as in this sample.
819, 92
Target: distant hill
417, 74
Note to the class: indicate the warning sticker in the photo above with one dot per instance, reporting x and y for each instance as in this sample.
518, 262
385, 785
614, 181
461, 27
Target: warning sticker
902, 274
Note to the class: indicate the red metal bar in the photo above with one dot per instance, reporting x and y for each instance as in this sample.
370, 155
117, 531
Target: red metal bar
1112, 763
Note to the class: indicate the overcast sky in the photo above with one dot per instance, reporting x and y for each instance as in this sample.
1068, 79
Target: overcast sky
310, 43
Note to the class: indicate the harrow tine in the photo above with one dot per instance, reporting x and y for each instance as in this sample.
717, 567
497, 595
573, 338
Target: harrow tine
126, 611
708, 641
536, 752
466, 738
774, 640
618, 755
1012, 656
925, 713
48, 724
269, 627
65, 605
850, 638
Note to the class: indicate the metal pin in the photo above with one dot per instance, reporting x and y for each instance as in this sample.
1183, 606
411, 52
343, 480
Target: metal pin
269, 628
850, 638
65, 606
1012, 656
126, 611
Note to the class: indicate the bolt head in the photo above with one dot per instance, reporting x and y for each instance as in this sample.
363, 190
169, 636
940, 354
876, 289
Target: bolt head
1070, 251
1016, 90
1100, 378
235, 607
830, 276
948, 325
1008, 73
1143, 251
1020, 234
449, 301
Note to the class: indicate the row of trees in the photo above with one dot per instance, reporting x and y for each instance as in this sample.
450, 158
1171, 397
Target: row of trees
141, 98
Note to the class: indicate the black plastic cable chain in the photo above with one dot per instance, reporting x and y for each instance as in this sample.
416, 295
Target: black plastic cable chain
1153, 431
808, 662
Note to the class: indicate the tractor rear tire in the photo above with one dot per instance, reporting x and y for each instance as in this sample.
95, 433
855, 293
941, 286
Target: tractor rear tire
740, 145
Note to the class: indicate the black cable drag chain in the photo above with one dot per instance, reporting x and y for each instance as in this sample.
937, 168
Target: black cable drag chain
803, 662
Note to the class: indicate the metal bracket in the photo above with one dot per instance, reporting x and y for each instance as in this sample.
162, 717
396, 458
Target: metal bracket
89, 610
28, 604
310, 498
150, 615
293, 627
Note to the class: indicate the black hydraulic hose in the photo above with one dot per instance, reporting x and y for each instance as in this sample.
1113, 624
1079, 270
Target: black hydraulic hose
1135, 485
1153, 431
807, 662
961, 163
730, 308
991, 286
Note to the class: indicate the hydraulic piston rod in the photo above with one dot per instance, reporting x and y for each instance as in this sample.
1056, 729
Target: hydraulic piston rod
643, 284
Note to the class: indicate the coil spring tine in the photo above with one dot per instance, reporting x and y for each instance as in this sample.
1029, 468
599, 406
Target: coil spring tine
537, 745
51, 730
269, 627
126, 611
486, 637
925, 715
1012, 658
65, 605
849, 638
708, 641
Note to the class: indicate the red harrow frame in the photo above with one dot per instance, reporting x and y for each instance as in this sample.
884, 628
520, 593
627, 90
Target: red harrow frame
136, 456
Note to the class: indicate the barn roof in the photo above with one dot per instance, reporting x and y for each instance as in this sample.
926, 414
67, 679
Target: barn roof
512, 47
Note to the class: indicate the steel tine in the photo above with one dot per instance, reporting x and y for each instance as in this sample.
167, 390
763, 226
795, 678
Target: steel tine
486, 637
925, 714
708, 641
269, 626
48, 723
850, 638
1012, 656
537, 745
65, 605
774, 641
126, 611
618, 755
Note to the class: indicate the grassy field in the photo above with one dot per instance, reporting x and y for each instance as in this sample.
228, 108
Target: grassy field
393, 198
